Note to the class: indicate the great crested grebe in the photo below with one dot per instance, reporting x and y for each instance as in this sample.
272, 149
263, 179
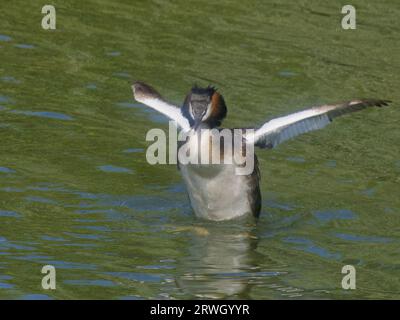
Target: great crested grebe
216, 191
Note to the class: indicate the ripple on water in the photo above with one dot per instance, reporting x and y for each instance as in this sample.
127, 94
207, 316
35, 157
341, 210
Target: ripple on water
4, 99
368, 192
5, 38
40, 200
138, 203
277, 205
247, 275
113, 53
177, 188
6, 170
70, 265
155, 267
329, 215
296, 159
331, 163
129, 104
24, 46
135, 276
85, 220
4, 213
95, 283
122, 75
133, 150
131, 298
389, 210
141, 203
91, 86
85, 236
50, 238
35, 296
82, 245
44, 114
31, 257
153, 115
114, 169
308, 245
287, 73
110, 214
5, 245
360, 238
9, 79
85, 195
94, 211
5, 285
94, 228
47, 187
12, 189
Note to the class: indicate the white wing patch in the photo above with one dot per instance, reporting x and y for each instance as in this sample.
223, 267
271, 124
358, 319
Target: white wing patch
284, 128
167, 109
282, 134
149, 96
281, 129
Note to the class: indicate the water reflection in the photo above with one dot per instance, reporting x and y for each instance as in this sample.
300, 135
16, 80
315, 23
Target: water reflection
219, 261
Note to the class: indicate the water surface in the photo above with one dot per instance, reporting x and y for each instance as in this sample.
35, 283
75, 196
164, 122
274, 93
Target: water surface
77, 193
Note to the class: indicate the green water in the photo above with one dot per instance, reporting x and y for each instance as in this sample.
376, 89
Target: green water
77, 193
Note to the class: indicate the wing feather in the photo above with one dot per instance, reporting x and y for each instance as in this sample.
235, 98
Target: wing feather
147, 95
279, 130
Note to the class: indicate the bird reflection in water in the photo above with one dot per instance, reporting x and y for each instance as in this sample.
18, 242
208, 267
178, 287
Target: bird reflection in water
219, 261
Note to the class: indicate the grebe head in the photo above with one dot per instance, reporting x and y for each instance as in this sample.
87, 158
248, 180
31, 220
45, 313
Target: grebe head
204, 106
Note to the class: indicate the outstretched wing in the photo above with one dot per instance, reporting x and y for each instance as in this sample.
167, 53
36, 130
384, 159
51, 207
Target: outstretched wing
281, 129
145, 94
